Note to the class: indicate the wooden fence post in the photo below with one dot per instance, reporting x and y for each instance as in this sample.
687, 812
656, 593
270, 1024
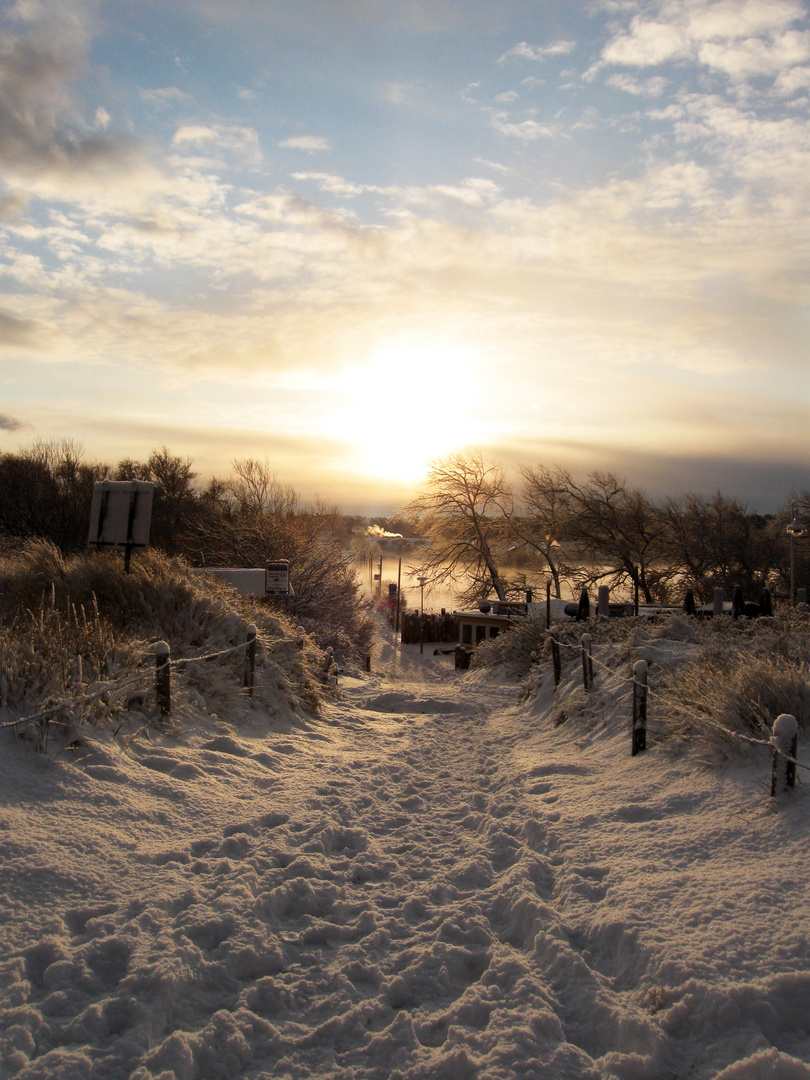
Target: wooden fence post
555, 657
717, 603
587, 662
785, 740
163, 677
603, 601
250, 659
639, 706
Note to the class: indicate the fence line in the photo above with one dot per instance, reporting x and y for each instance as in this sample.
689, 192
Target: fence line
587, 654
117, 687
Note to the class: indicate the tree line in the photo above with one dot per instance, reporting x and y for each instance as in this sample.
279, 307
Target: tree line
489, 535
492, 536
245, 519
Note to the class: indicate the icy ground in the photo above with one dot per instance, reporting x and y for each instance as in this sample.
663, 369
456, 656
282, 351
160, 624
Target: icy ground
432, 881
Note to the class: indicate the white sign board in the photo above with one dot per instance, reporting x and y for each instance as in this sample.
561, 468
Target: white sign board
247, 581
121, 514
277, 578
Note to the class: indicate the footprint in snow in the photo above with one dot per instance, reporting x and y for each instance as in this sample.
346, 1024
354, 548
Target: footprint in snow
224, 744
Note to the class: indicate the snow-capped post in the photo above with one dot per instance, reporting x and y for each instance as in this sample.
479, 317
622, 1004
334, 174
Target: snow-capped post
785, 743
555, 657
548, 603
163, 677
635, 589
603, 601
689, 602
639, 706
717, 602
587, 662
250, 659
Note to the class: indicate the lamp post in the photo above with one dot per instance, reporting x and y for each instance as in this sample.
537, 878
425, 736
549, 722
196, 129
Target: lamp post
422, 581
794, 529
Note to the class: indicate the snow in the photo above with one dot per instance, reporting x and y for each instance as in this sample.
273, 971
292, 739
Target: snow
436, 879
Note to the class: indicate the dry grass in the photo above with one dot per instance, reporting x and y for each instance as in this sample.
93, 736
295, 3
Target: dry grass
714, 685
72, 631
737, 686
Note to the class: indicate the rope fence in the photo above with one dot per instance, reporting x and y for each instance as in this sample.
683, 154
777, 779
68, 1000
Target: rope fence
783, 743
161, 675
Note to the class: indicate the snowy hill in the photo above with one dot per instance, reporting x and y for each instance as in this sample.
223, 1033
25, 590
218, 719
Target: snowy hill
435, 879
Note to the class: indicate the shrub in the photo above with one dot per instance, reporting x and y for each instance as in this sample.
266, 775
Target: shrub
77, 639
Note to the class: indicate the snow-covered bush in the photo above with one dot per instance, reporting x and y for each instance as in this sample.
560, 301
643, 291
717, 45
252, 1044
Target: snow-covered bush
73, 630
737, 684
715, 685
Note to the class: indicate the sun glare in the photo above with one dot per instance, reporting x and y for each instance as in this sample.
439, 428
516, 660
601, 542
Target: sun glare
409, 404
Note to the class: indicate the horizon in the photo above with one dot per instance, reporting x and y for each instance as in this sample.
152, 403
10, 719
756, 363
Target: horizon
354, 241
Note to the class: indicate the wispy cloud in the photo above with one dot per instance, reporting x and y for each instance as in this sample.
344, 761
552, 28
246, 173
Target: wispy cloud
164, 96
306, 142
538, 53
525, 131
654, 87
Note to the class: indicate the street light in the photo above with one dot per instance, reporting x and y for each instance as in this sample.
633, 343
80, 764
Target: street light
794, 529
422, 581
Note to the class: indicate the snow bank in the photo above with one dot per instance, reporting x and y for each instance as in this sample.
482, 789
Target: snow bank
431, 881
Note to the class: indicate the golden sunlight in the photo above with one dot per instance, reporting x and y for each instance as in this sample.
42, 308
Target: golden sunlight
408, 404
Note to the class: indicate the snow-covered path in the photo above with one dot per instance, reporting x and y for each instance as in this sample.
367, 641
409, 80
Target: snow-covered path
428, 884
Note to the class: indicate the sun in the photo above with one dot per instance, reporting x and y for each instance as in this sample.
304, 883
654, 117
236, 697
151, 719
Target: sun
408, 404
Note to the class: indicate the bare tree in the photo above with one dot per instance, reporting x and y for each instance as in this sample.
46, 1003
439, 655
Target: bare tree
257, 490
462, 510
718, 542
622, 533
543, 520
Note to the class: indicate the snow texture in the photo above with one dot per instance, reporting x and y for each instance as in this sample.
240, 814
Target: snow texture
435, 880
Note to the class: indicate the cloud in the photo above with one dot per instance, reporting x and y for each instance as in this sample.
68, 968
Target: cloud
334, 185
164, 96
526, 131
46, 147
9, 423
742, 39
220, 142
397, 93
538, 53
637, 87
15, 331
306, 142
753, 57
12, 206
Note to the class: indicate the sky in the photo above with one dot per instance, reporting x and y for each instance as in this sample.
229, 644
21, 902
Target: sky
353, 237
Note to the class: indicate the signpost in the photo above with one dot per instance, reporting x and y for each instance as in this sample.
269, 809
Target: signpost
121, 516
277, 578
